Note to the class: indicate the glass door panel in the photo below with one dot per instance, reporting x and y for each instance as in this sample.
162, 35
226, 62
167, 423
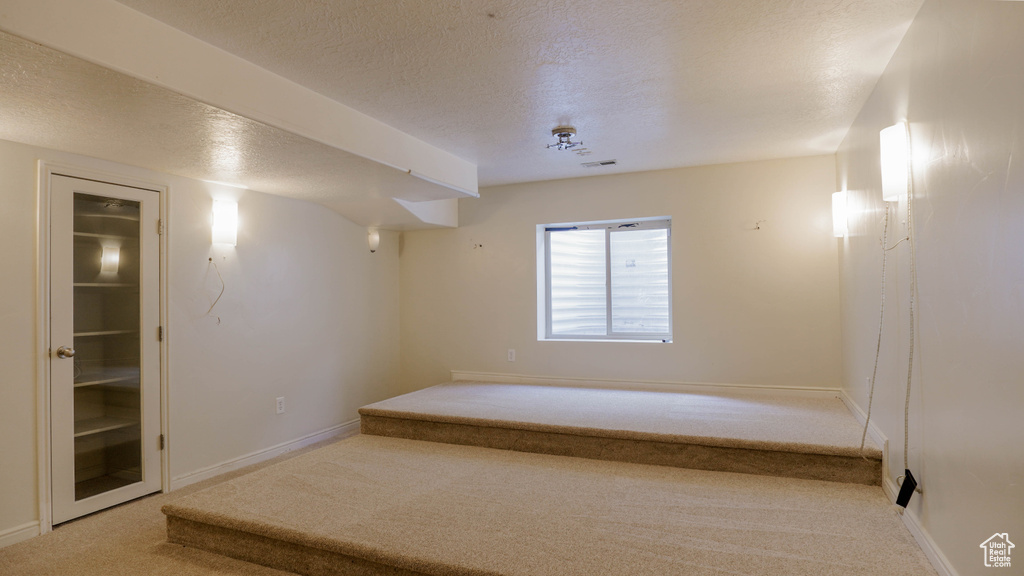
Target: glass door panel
104, 345
107, 395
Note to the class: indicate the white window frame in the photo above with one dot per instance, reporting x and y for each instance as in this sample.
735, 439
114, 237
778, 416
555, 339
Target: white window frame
544, 278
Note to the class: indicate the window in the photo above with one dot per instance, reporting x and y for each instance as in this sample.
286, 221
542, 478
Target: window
605, 280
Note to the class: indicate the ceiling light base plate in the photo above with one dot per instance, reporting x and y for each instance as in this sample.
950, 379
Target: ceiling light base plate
564, 135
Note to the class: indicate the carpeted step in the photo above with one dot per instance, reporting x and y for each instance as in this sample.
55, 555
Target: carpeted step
796, 437
374, 506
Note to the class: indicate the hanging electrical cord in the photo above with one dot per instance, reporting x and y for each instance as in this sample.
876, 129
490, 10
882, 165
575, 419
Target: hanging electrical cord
881, 318
222, 287
906, 481
913, 299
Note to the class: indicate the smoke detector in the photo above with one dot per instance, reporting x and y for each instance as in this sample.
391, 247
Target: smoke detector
564, 135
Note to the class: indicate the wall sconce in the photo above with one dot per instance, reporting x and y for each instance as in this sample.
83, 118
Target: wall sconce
373, 238
225, 222
839, 222
110, 259
895, 157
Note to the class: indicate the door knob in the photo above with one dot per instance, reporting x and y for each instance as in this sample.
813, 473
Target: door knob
63, 352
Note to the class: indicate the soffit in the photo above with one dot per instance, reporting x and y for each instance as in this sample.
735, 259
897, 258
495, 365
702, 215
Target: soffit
57, 101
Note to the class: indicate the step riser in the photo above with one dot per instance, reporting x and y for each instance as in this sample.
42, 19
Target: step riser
852, 470
274, 553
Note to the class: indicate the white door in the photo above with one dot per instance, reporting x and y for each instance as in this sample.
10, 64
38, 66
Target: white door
104, 345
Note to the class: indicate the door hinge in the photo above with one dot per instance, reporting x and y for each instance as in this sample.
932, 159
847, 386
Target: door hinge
160, 226
160, 441
160, 333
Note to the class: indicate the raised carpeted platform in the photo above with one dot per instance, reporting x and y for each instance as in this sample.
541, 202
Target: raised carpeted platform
374, 505
753, 433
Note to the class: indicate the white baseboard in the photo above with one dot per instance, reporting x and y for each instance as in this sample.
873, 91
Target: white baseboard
923, 538
909, 517
873, 431
19, 533
350, 428
645, 385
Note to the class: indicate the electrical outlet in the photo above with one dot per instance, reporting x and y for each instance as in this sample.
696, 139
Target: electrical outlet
511, 355
280, 405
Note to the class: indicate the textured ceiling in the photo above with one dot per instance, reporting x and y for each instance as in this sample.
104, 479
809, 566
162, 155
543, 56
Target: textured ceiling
653, 84
56, 101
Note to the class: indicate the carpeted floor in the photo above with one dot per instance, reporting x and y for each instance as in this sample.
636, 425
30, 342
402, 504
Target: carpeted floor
410, 507
376, 505
747, 420
129, 540
796, 437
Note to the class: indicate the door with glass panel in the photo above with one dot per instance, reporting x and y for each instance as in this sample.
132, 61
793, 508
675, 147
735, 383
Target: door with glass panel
104, 345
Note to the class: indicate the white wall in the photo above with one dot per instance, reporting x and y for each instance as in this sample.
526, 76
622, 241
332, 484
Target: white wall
751, 307
957, 78
308, 313
18, 502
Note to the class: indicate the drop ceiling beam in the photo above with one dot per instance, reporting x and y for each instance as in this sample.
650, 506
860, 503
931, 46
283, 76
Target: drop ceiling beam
116, 37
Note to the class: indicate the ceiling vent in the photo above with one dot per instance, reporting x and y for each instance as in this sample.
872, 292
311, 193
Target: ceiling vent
599, 163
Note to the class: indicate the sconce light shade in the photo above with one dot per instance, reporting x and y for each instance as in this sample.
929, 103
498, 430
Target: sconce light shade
895, 156
839, 226
225, 222
110, 260
373, 238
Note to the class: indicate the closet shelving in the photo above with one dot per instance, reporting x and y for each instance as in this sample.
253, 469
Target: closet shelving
107, 399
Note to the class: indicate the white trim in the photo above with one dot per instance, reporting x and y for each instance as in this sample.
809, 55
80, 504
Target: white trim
931, 550
43, 479
910, 520
644, 223
165, 344
647, 385
19, 533
629, 338
544, 232
116, 178
873, 431
45, 170
344, 430
890, 489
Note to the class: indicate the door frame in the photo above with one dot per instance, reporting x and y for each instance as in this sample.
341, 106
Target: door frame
43, 203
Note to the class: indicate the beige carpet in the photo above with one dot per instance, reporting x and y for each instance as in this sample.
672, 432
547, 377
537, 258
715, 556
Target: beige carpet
737, 420
811, 438
129, 540
377, 505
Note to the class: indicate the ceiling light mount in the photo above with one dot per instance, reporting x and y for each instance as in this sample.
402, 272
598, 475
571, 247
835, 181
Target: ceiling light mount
564, 135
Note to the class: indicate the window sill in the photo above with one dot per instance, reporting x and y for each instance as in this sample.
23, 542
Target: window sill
618, 340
